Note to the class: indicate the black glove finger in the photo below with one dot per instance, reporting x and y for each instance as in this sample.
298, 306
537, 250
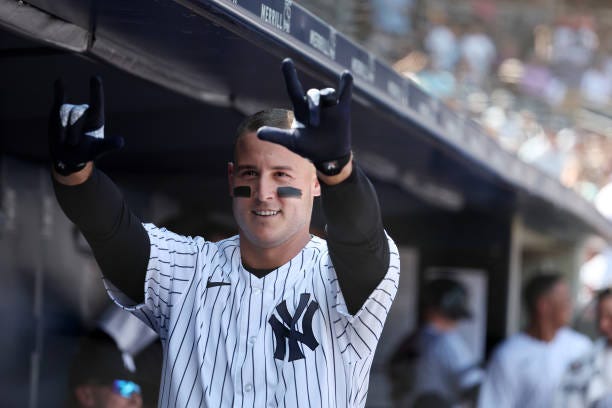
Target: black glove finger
295, 90
329, 97
345, 88
314, 107
284, 137
96, 102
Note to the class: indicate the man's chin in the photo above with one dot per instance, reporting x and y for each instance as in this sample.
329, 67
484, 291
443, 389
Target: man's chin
264, 241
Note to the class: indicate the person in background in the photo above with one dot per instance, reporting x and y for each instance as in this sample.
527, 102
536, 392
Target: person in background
588, 382
526, 369
478, 50
434, 367
101, 377
441, 43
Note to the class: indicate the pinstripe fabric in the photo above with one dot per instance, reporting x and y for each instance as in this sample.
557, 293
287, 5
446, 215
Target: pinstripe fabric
218, 342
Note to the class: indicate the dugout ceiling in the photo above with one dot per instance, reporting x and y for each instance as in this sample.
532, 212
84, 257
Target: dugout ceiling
179, 75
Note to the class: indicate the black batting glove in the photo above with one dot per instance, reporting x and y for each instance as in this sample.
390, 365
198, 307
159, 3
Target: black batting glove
322, 128
76, 132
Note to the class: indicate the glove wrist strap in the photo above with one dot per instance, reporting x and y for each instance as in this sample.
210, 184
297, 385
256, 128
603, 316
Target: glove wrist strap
66, 169
333, 167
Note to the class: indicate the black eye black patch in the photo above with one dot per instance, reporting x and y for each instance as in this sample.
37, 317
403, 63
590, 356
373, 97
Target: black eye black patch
242, 191
284, 192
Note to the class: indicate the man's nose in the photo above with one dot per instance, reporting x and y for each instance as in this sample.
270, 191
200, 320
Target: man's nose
265, 189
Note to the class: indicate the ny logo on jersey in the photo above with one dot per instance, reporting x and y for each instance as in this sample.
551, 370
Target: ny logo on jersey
286, 331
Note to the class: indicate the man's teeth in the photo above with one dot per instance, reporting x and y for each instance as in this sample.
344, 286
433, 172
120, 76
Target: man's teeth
266, 212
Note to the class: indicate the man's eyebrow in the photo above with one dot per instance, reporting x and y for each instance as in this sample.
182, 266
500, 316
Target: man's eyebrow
245, 167
282, 168
253, 167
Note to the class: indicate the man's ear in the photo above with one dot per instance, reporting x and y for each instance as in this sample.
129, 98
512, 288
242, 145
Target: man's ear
316, 190
84, 395
230, 178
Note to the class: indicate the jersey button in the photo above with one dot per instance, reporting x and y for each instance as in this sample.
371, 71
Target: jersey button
252, 340
248, 388
256, 291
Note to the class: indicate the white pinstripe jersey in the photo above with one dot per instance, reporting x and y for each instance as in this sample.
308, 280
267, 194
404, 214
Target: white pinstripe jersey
231, 339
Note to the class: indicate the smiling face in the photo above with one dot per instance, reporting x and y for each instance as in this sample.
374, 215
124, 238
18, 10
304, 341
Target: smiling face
265, 219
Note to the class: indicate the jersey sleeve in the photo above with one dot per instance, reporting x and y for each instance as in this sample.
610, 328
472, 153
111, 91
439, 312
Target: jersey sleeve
171, 270
358, 333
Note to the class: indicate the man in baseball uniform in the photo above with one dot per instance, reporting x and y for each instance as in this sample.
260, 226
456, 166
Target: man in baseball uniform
270, 317
526, 370
588, 381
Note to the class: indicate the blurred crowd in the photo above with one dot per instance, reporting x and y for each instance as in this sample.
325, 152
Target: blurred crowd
539, 81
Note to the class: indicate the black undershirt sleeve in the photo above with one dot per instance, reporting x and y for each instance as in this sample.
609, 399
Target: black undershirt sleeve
119, 241
356, 239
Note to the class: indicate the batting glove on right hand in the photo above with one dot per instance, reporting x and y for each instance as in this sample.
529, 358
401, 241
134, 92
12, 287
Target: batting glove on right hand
76, 132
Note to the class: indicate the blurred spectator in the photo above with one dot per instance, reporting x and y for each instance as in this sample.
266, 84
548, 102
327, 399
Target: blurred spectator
392, 34
574, 44
526, 370
538, 81
596, 272
484, 9
434, 367
541, 151
588, 382
507, 126
478, 51
552, 153
103, 377
536, 76
596, 84
440, 43
393, 16
566, 140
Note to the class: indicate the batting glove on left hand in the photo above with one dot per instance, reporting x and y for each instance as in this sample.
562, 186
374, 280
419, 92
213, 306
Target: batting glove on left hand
76, 132
322, 131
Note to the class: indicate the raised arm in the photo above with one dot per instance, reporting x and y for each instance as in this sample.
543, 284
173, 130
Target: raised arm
322, 133
88, 197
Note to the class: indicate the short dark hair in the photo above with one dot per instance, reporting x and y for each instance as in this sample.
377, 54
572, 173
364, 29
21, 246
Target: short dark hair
280, 118
276, 117
538, 286
448, 297
98, 360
